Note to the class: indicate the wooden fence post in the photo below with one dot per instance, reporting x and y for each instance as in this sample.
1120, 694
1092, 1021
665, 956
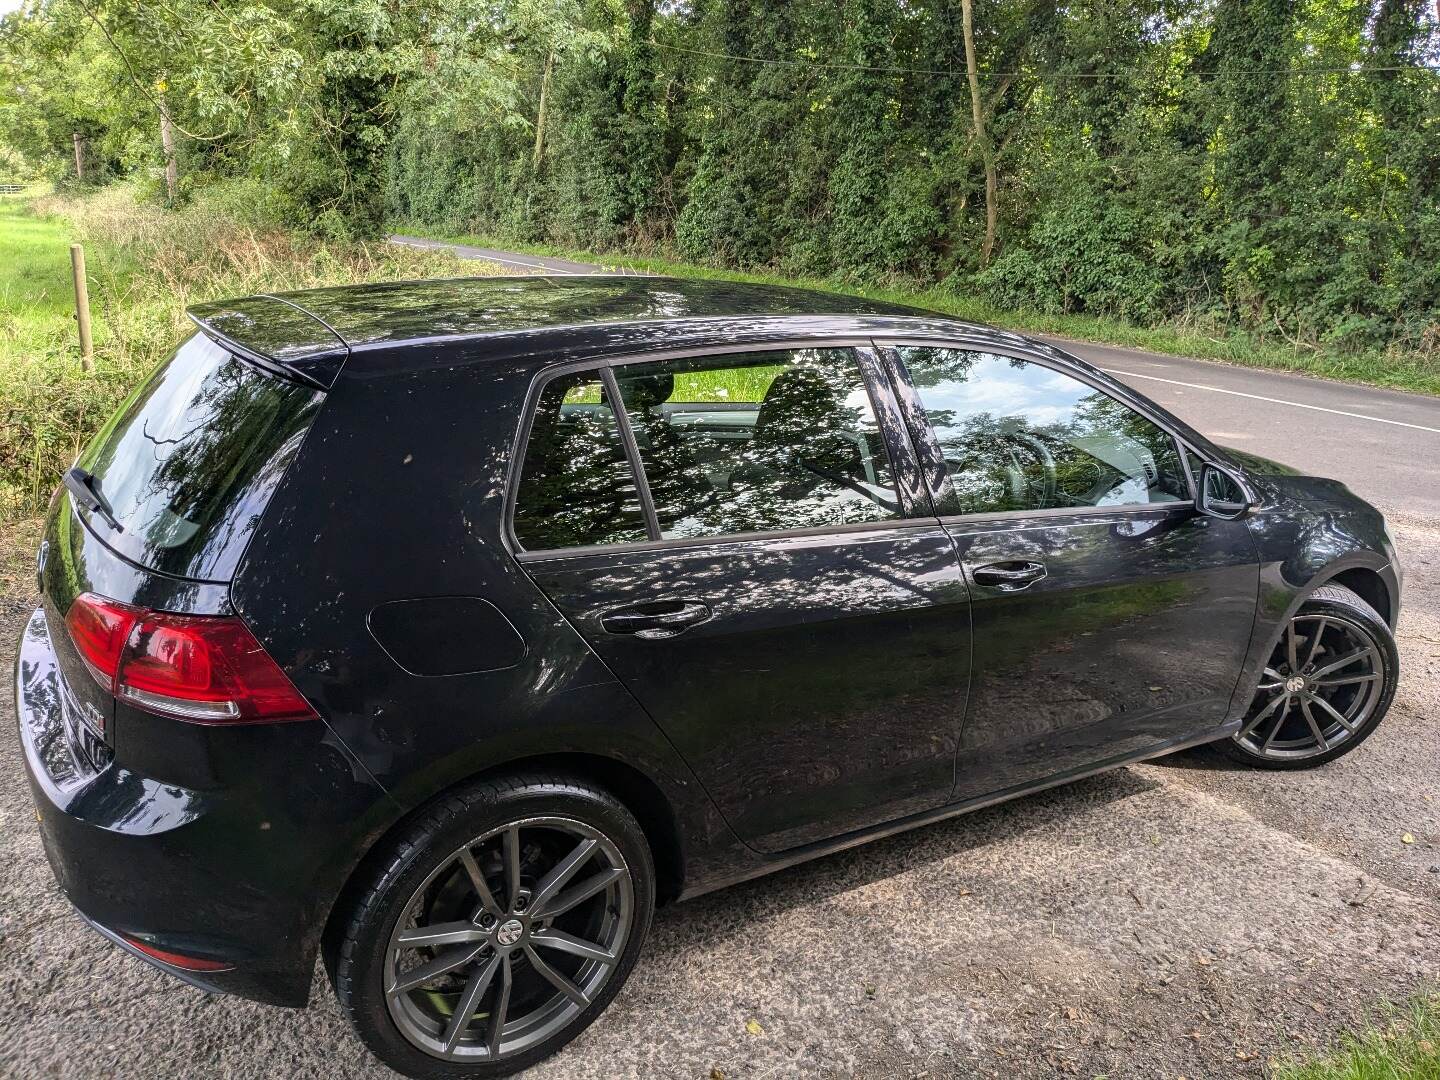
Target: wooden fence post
167, 143
82, 305
79, 158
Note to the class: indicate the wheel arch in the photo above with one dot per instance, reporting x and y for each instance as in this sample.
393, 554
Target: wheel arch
1366, 583
1287, 583
640, 794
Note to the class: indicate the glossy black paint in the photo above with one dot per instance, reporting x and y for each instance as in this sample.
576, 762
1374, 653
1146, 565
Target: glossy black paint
1137, 631
825, 691
212, 842
822, 702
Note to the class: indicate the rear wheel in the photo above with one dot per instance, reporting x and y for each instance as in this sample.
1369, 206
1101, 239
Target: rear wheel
503, 924
1327, 685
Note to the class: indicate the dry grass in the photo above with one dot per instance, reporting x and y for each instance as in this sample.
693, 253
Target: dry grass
145, 266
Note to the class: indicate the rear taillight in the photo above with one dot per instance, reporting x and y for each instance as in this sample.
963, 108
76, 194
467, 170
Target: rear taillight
208, 669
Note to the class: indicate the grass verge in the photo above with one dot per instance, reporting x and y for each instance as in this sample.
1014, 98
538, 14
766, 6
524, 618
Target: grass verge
145, 265
1402, 1045
1395, 370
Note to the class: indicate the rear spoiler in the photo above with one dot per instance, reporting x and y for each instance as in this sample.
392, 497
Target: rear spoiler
277, 335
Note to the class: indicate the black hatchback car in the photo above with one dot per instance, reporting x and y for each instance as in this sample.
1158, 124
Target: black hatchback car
443, 629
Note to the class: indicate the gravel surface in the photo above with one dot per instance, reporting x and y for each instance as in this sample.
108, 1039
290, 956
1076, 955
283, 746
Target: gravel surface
1182, 918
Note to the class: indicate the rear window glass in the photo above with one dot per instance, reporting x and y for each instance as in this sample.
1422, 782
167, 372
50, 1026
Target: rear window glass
189, 461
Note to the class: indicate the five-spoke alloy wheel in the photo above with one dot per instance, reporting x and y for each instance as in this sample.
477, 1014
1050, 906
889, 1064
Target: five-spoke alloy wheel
1327, 685
478, 958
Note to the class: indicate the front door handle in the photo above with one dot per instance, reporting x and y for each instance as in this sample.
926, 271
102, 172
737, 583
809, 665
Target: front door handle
655, 621
1009, 576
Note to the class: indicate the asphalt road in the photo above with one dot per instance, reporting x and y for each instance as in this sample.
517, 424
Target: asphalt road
1178, 918
1384, 444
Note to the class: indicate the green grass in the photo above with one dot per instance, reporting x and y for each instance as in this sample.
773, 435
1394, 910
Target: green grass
1399, 1046
36, 297
1398, 370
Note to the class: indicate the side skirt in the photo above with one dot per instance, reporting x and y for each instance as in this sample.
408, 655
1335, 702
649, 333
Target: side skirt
929, 817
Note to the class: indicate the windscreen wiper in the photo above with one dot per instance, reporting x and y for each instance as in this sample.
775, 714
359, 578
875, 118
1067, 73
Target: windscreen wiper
82, 486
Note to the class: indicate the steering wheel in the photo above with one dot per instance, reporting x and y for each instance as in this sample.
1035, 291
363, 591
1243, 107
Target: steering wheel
1027, 490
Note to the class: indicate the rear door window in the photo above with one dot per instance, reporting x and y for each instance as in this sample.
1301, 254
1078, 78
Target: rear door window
758, 442
576, 487
188, 463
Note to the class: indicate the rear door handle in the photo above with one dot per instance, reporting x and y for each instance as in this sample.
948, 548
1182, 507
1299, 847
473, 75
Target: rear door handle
1009, 576
655, 621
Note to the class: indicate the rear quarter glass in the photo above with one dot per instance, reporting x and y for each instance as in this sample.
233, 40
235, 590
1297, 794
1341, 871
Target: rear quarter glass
189, 461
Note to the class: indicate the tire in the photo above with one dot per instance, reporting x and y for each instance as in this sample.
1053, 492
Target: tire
1362, 689
536, 824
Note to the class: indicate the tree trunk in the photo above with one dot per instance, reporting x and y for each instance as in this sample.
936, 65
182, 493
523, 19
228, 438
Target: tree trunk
982, 138
167, 141
79, 158
544, 107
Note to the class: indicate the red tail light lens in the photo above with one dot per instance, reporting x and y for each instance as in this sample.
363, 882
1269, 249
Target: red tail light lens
208, 669
99, 628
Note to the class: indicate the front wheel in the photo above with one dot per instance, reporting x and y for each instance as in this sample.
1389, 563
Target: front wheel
1327, 686
501, 925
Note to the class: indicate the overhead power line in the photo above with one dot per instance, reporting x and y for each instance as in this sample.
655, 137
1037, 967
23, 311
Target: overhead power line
1358, 69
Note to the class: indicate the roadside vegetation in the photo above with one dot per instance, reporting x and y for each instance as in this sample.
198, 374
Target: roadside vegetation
1202, 339
145, 265
1251, 180
1401, 1045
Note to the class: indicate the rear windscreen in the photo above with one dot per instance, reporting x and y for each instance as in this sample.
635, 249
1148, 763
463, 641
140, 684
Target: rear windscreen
189, 461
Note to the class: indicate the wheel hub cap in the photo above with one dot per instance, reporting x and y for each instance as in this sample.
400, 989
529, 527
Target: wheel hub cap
509, 933
1294, 684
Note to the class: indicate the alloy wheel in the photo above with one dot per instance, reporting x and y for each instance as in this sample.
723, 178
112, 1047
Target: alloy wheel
509, 940
1318, 691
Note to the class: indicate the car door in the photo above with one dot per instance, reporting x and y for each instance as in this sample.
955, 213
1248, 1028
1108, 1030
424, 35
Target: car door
773, 590
1109, 616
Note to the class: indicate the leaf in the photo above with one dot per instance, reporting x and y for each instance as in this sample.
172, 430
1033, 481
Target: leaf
754, 1028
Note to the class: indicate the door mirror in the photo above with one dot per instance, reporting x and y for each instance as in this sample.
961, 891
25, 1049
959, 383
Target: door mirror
1222, 495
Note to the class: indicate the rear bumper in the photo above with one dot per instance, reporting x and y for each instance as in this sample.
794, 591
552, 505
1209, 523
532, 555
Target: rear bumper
232, 854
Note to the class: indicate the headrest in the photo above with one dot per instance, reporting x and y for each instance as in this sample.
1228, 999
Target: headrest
646, 391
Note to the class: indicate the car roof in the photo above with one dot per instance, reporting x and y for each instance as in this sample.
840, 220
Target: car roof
295, 327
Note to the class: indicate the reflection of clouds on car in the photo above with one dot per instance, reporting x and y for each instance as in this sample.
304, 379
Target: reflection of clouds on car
1021, 436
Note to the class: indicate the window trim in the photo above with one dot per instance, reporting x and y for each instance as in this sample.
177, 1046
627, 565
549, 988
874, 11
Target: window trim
915, 502
632, 455
927, 443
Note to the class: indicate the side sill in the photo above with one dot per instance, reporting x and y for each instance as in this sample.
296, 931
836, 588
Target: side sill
795, 856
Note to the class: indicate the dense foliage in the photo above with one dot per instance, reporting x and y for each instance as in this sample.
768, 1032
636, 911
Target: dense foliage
1266, 164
